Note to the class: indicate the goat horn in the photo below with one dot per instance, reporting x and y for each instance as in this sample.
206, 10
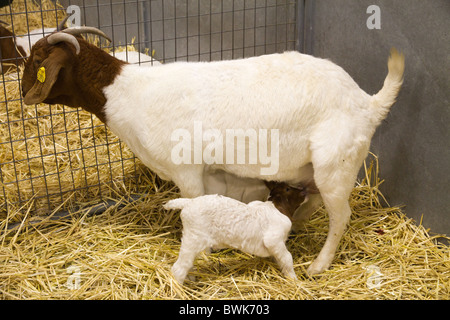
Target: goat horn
57, 37
78, 30
63, 21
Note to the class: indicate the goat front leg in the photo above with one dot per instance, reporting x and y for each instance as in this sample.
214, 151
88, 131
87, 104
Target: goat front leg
189, 179
214, 182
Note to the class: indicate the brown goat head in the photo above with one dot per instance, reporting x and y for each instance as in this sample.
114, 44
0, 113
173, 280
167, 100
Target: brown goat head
65, 69
48, 72
287, 198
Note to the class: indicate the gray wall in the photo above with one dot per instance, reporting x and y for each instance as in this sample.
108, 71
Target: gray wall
413, 143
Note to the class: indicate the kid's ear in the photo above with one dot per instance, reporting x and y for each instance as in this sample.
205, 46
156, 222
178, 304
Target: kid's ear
311, 187
270, 184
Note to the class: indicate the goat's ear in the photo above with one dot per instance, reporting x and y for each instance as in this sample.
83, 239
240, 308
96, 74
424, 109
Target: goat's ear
46, 76
312, 188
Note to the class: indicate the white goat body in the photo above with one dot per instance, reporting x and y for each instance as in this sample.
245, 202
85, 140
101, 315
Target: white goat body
214, 221
27, 41
302, 96
135, 57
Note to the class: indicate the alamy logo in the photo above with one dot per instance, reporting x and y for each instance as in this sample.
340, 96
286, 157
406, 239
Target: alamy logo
374, 20
234, 146
74, 13
375, 277
74, 280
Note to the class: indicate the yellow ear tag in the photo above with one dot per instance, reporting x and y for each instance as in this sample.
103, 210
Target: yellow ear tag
41, 74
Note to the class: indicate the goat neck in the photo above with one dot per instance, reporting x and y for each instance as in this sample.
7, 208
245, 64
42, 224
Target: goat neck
95, 70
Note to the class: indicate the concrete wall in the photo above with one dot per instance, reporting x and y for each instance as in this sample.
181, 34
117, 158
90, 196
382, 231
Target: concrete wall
413, 143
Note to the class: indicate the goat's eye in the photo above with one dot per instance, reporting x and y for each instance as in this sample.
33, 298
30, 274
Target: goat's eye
288, 189
37, 62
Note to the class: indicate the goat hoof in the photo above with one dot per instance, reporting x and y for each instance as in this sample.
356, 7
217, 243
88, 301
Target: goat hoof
316, 267
292, 276
191, 278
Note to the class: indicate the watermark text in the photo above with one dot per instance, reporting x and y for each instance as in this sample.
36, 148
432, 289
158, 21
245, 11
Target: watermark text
234, 146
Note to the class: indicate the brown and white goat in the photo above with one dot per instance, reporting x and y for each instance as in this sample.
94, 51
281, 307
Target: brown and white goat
12, 54
324, 120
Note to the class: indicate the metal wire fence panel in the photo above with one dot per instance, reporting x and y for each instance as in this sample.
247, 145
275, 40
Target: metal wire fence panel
55, 155
195, 30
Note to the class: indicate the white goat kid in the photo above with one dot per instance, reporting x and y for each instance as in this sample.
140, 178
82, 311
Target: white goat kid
214, 221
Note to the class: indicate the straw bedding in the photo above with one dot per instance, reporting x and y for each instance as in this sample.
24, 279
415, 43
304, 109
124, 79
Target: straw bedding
127, 251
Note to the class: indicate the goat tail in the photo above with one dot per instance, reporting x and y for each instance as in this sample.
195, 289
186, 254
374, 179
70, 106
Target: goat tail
179, 203
381, 102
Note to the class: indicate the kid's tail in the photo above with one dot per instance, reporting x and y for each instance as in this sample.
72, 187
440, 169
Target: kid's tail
179, 203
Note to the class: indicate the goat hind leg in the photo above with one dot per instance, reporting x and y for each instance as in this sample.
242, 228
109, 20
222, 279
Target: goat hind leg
277, 248
336, 164
339, 213
335, 184
190, 248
